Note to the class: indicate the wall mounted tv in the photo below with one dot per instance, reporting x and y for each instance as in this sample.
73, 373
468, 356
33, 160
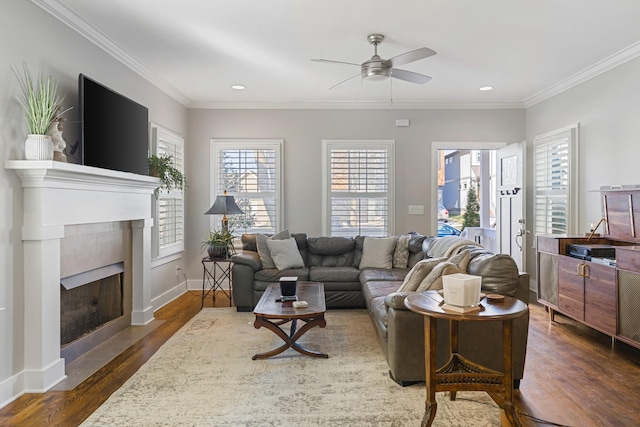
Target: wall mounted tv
114, 129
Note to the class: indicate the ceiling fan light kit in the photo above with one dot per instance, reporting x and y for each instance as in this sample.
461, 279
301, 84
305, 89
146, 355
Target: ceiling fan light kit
378, 69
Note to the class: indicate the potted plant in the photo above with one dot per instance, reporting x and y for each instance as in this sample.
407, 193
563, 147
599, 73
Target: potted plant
41, 106
218, 243
170, 178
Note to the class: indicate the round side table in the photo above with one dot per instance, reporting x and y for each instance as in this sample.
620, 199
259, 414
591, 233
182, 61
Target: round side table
460, 374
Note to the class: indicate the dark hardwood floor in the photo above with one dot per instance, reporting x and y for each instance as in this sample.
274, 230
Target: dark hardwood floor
573, 376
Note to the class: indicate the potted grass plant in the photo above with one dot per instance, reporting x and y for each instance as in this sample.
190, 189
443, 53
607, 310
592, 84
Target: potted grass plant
218, 243
162, 166
41, 106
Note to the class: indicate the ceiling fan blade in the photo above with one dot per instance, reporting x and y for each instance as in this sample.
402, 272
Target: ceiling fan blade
343, 82
405, 58
409, 76
329, 61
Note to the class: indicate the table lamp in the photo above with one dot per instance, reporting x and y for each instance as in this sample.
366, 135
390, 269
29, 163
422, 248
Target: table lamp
224, 205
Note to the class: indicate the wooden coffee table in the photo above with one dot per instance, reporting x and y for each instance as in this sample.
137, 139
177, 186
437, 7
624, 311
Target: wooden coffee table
459, 373
271, 313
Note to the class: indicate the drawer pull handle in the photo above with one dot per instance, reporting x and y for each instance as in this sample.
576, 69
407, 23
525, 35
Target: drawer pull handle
606, 214
586, 271
631, 220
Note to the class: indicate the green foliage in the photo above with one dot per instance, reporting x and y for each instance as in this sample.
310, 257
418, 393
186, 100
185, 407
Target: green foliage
162, 167
218, 243
216, 237
472, 215
39, 100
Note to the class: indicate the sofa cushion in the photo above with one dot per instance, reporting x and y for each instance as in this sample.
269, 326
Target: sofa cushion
333, 274
330, 245
416, 241
401, 251
285, 254
375, 289
386, 274
273, 275
377, 252
418, 273
263, 249
499, 273
379, 310
331, 252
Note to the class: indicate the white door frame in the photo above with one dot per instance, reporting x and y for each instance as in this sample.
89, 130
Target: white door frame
443, 145
511, 201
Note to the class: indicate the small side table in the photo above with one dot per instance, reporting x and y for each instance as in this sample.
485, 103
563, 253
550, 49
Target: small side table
215, 273
460, 374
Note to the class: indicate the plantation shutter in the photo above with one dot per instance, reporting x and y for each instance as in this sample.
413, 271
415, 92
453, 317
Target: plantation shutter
553, 183
249, 171
169, 206
360, 188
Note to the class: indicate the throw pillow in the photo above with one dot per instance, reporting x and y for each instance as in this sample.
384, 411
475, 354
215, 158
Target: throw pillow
263, 249
377, 252
417, 274
285, 254
433, 281
401, 252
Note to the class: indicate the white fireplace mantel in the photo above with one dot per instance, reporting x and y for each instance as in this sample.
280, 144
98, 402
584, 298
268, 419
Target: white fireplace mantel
56, 194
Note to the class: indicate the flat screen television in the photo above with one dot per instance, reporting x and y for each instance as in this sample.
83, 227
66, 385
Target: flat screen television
114, 129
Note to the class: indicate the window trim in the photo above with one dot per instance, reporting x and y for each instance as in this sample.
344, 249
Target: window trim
327, 145
217, 144
572, 134
157, 133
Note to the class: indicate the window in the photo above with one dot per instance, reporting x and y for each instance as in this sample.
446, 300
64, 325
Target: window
358, 188
555, 177
249, 170
168, 235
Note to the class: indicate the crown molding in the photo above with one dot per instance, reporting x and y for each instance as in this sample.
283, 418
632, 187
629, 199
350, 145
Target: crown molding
601, 67
353, 105
65, 15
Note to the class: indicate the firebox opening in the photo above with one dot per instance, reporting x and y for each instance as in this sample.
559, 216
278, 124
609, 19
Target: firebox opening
89, 300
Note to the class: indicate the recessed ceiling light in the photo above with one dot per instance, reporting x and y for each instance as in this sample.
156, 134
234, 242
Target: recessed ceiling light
237, 87
485, 88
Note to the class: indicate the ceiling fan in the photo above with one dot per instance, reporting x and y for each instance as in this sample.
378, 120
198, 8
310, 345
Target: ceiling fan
377, 69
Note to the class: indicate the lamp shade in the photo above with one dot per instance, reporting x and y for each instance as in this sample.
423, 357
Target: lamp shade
224, 205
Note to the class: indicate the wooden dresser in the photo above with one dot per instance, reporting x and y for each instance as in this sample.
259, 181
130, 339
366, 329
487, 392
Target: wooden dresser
604, 297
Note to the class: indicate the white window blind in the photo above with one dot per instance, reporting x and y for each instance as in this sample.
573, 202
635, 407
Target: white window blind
554, 181
359, 182
168, 236
250, 171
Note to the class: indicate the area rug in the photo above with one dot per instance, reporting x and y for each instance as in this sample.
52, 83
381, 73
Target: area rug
204, 376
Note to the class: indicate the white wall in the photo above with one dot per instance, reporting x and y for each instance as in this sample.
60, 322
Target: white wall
30, 35
303, 132
608, 110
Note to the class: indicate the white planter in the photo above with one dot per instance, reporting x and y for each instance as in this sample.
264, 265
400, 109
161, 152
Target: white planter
38, 147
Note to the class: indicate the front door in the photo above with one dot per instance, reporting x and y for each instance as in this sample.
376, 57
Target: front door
511, 231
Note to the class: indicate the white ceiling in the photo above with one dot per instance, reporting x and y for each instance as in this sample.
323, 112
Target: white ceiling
196, 49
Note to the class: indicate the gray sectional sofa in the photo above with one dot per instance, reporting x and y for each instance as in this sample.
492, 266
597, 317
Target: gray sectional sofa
336, 261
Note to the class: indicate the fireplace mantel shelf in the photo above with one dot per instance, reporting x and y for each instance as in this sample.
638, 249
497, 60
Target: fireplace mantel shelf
35, 172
